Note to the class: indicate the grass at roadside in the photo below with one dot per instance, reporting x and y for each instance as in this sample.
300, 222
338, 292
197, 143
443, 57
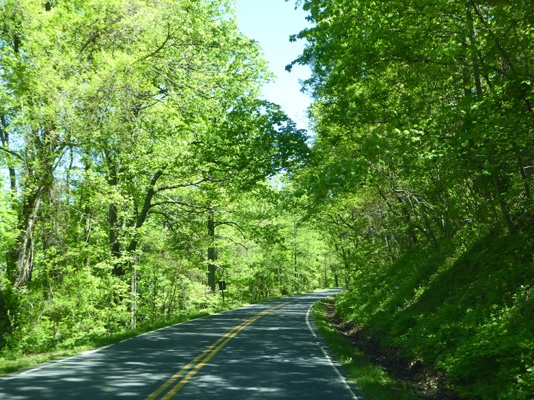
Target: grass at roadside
10, 362
371, 378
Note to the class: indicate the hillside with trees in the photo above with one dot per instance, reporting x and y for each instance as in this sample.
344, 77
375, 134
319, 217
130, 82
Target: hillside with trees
422, 165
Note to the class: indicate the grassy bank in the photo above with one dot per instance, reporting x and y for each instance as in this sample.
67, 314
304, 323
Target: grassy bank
372, 379
469, 312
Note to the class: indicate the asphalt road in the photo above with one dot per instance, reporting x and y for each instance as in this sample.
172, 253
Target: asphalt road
264, 351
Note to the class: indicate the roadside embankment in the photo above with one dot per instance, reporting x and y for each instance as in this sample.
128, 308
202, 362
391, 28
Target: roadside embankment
467, 312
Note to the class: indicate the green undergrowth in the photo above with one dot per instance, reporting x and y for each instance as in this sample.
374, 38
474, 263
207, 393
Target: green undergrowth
468, 312
370, 378
11, 361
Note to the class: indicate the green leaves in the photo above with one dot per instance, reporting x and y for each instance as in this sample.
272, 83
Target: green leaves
403, 89
123, 123
423, 139
8, 219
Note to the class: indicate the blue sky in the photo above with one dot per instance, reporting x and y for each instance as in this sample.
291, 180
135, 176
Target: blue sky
271, 22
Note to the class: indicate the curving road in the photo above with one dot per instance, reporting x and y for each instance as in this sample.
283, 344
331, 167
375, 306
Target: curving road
264, 351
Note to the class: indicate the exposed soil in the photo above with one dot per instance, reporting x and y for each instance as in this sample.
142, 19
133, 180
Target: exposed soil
428, 383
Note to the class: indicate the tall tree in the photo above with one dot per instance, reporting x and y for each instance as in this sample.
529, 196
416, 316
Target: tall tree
117, 119
411, 98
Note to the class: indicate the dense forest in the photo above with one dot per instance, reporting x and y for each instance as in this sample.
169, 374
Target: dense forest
422, 167
140, 167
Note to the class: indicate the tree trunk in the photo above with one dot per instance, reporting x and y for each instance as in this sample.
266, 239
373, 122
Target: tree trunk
408, 219
523, 174
113, 219
147, 205
295, 260
4, 136
22, 257
478, 84
133, 297
212, 254
504, 207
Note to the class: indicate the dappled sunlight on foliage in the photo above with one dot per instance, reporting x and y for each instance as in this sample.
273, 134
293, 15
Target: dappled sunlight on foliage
469, 313
422, 169
135, 157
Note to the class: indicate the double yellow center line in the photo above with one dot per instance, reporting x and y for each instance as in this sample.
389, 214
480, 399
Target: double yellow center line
203, 358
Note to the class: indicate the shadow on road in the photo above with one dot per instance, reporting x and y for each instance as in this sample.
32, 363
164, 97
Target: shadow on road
274, 357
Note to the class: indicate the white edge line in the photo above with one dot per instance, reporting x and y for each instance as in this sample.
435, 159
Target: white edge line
45, 364
327, 356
